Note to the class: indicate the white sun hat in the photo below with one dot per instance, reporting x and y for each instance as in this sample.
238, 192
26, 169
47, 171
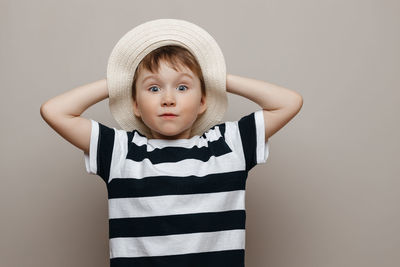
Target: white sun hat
146, 37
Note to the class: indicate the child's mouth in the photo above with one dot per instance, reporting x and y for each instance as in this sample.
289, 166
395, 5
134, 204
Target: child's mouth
168, 116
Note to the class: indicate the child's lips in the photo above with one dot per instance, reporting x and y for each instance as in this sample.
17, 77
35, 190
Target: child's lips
169, 116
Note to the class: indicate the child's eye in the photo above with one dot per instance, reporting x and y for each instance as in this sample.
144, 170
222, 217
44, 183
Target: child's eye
152, 87
183, 86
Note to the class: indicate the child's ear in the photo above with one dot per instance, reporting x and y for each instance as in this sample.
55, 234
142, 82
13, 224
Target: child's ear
203, 104
135, 108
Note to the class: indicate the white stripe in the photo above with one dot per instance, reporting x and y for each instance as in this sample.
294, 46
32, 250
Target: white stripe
176, 204
138, 170
120, 150
151, 144
234, 140
177, 244
90, 160
262, 147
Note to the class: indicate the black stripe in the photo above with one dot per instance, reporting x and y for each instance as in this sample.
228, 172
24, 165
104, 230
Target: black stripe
174, 154
170, 185
105, 148
225, 258
248, 135
177, 224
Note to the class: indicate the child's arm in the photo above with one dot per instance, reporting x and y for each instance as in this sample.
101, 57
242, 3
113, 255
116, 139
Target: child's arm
279, 104
63, 112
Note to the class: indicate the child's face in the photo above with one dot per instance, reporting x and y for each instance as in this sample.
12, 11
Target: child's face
169, 92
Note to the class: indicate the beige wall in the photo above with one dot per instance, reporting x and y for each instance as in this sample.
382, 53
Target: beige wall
329, 193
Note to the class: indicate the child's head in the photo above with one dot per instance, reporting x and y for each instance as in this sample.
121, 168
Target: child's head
169, 80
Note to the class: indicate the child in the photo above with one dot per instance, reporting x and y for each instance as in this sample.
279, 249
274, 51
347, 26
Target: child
176, 187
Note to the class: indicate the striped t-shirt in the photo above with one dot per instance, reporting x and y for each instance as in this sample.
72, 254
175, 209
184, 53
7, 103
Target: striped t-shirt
180, 202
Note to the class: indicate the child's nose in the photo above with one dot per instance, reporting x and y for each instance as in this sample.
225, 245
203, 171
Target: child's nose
169, 96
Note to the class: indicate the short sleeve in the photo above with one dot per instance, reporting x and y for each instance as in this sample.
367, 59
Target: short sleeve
108, 149
248, 136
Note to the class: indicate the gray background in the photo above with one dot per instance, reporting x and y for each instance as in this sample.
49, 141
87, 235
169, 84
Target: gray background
328, 195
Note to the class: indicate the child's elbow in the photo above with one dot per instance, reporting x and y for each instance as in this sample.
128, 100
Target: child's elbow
45, 110
300, 101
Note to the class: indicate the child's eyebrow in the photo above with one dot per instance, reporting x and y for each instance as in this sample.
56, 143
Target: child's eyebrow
155, 76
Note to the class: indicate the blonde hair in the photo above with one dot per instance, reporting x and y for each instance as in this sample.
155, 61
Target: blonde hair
175, 56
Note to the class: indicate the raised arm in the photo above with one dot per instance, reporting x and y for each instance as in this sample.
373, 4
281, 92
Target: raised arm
63, 112
280, 104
